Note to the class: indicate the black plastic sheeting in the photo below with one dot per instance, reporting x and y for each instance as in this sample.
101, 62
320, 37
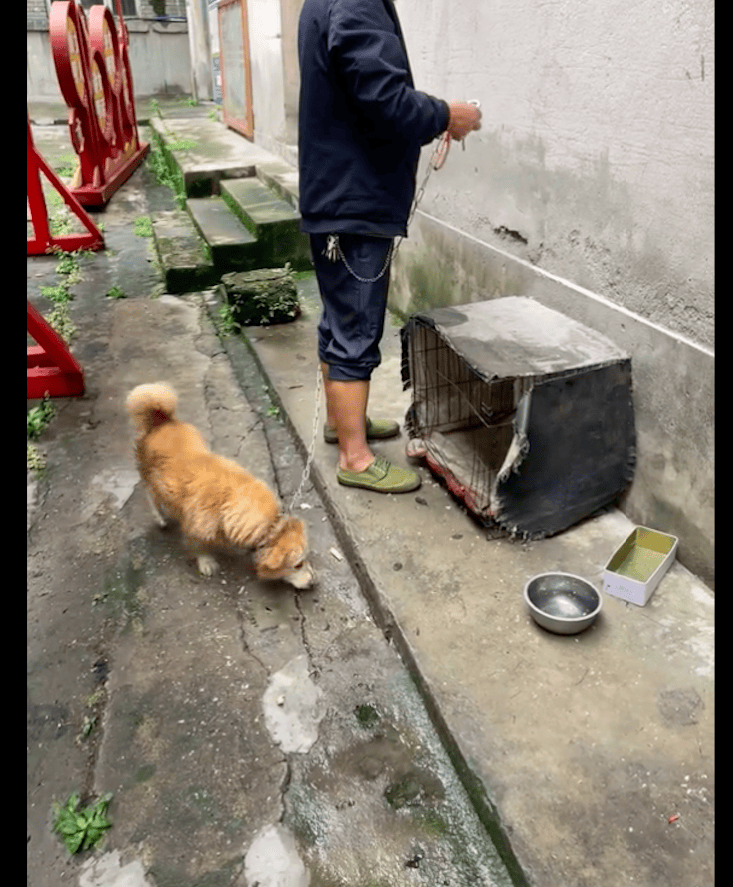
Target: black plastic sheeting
581, 453
573, 448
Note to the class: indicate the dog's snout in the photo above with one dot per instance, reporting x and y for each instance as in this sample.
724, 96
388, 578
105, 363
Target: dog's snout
305, 575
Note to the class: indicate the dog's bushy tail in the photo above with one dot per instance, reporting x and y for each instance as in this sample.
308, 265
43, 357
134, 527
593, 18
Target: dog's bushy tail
151, 405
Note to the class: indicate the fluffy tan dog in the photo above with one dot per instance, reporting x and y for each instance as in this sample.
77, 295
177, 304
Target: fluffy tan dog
216, 502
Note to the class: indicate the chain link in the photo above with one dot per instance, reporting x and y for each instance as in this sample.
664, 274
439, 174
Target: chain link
312, 448
340, 252
437, 159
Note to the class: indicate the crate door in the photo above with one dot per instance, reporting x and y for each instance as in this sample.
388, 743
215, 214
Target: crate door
236, 78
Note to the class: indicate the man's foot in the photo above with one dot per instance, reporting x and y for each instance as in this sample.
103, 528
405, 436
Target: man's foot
381, 477
377, 429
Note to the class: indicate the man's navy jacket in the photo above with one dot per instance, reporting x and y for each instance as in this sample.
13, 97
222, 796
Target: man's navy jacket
361, 121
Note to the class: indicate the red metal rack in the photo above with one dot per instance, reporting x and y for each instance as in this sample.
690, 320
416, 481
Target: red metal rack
50, 366
93, 69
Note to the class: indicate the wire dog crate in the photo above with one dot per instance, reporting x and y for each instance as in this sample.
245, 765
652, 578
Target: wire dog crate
526, 414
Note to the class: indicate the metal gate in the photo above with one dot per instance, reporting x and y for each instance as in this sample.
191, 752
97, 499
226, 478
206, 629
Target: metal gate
234, 60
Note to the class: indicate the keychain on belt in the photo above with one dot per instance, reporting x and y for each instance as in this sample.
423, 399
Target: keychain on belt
333, 251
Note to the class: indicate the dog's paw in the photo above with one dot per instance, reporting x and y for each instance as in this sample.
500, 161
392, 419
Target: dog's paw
207, 565
158, 516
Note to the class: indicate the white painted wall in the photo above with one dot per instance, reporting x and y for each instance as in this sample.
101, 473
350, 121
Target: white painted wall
266, 58
159, 57
597, 141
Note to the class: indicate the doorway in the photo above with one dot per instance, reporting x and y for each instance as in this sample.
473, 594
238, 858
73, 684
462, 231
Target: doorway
236, 78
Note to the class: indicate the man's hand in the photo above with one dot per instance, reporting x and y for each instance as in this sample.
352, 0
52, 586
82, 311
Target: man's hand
464, 118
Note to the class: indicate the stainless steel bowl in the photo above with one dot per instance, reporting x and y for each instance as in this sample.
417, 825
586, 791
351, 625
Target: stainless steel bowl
561, 602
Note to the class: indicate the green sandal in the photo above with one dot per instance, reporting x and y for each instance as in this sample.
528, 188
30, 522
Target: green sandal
377, 429
381, 477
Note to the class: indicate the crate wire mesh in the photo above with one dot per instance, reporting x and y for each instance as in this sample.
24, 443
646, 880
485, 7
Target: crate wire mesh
474, 397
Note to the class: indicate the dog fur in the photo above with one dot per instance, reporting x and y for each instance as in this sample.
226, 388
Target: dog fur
215, 501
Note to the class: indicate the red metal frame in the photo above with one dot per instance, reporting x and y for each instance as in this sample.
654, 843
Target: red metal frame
50, 367
93, 69
44, 241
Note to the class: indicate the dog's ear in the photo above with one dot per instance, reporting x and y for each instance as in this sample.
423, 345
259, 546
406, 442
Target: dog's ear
286, 549
270, 559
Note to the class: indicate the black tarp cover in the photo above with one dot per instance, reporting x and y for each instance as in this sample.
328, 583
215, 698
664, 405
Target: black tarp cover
573, 445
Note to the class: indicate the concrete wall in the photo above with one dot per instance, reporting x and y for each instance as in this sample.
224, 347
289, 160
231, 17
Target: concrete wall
595, 160
159, 58
266, 60
273, 28
589, 188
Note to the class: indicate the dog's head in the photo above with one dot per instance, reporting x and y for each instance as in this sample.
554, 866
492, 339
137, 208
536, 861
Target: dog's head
284, 555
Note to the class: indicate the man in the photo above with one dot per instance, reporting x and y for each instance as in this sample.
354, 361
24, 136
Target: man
361, 126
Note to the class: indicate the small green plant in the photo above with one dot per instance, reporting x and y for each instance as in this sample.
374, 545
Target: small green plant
81, 829
367, 715
66, 166
60, 320
39, 417
226, 323
273, 410
60, 224
88, 724
143, 226
181, 145
69, 266
35, 461
116, 293
58, 294
164, 168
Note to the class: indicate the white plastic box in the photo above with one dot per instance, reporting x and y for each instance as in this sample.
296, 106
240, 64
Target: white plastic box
637, 566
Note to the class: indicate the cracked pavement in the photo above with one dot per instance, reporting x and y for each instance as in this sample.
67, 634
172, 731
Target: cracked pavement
251, 736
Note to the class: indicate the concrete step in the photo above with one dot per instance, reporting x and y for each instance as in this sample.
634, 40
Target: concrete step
206, 152
273, 221
281, 178
241, 207
183, 255
232, 246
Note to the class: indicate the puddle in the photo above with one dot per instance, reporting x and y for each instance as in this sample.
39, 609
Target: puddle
293, 707
273, 861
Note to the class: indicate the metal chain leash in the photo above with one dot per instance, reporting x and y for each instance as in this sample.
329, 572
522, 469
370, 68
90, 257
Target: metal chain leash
312, 448
334, 251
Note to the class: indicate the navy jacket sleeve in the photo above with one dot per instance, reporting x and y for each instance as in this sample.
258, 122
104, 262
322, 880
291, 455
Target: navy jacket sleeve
366, 48
361, 120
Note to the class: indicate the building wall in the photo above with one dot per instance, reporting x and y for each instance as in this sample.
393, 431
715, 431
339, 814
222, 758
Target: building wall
595, 160
159, 54
590, 188
266, 60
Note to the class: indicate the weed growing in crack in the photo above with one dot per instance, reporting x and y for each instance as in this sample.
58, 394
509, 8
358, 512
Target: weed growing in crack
226, 323
81, 828
38, 419
163, 166
143, 226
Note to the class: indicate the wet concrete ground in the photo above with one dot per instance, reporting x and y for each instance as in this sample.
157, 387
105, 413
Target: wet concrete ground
249, 735
593, 754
